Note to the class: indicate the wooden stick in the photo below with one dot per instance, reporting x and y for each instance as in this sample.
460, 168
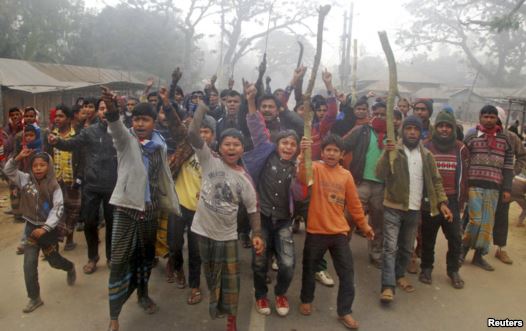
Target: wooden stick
393, 91
307, 130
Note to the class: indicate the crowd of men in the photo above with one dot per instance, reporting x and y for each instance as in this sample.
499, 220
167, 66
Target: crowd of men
227, 165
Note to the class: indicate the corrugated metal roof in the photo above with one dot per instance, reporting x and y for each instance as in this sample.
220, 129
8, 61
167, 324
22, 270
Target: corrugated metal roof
36, 77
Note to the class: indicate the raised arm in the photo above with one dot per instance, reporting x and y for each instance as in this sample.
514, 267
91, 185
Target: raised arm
120, 134
255, 121
19, 178
193, 131
176, 76
332, 108
175, 125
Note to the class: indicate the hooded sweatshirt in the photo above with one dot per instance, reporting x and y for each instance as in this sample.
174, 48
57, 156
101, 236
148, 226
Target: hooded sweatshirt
41, 202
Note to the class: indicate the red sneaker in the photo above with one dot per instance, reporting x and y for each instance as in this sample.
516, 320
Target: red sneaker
262, 306
282, 305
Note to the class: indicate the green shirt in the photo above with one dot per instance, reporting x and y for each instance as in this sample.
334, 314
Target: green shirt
371, 159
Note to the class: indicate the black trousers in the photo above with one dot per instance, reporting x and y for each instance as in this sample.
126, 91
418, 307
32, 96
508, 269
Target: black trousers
338, 245
452, 231
500, 228
91, 201
48, 243
176, 229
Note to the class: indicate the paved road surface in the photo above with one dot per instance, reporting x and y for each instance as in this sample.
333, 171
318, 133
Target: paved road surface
498, 294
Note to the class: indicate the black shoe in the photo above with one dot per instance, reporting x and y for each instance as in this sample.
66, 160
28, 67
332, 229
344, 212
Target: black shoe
479, 261
456, 281
425, 276
32, 305
72, 277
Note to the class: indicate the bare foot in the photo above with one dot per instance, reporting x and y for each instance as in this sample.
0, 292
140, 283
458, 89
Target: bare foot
114, 325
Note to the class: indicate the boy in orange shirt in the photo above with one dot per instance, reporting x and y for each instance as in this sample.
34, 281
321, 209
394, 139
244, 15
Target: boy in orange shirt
333, 190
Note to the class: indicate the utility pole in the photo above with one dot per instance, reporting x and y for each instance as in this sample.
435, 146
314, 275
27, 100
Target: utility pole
345, 65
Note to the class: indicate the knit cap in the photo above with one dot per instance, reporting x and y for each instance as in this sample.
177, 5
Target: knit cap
209, 122
446, 117
428, 103
413, 120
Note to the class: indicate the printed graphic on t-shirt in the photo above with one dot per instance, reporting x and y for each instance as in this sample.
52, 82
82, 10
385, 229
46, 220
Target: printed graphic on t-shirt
333, 192
222, 199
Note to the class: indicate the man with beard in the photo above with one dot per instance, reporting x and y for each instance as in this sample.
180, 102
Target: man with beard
412, 177
452, 159
366, 143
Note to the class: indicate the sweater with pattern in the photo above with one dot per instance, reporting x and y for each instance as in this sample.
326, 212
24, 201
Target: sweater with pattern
490, 168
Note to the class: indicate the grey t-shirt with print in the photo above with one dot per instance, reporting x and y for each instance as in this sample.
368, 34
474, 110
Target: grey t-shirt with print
222, 190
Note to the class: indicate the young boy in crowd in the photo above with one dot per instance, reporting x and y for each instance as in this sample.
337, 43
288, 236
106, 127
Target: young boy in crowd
144, 186
273, 168
225, 184
332, 192
41, 205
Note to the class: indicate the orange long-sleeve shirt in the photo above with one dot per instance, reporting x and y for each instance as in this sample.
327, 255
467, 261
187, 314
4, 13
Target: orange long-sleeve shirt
333, 190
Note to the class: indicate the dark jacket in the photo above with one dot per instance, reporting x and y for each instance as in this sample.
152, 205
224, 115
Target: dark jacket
100, 168
357, 142
396, 193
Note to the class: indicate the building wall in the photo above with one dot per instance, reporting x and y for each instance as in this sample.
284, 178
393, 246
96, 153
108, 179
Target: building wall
43, 102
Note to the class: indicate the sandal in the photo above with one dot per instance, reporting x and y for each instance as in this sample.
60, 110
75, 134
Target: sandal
387, 295
404, 284
148, 305
195, 297
349, 322
306, 309
91, 266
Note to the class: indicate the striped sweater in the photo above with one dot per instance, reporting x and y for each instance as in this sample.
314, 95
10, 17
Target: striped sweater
490, 168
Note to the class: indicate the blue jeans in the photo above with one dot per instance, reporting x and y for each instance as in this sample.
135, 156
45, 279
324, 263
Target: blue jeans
277, 235
399, 237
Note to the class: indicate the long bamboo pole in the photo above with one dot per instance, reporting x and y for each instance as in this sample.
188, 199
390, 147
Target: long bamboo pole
307, 129
393, 91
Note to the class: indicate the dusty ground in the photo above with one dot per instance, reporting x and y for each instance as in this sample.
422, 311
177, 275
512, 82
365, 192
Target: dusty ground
499, 294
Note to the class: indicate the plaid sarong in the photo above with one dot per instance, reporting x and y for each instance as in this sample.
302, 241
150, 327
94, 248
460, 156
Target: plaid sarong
71, 205
132, 255
220, 265
482, 205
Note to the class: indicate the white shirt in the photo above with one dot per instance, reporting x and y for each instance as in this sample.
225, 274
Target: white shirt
416, 177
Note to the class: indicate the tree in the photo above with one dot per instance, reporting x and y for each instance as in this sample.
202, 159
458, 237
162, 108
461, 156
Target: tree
479, 28
130, 37
38, 30
283, 51
238, 13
